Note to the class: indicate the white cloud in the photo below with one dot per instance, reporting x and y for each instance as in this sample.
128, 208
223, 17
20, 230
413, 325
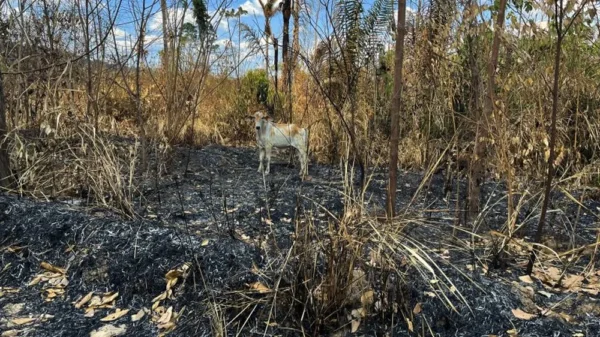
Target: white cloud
119, 33
252, 7
175, 17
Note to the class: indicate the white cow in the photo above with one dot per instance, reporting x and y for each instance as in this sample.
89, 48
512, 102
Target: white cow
270, 134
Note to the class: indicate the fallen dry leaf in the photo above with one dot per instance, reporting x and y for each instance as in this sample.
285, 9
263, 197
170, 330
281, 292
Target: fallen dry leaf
115, 315
526, 279
430, 294
594, 292
417, 310
35, 280
171, 283
10, 333
520, 314
160, 297
139, 315
358, 313
553, 273
109, 298
95, 301
204, 242
84, 300
89, 312
545, 293
109, 330
355, 324
512, 332
410, 325
173, 274
166, 326
572, 281
366, 299
22, 320
52, 268
166, 317
261, 288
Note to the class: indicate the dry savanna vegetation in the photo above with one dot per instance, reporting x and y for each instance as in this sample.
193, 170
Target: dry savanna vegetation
454, 175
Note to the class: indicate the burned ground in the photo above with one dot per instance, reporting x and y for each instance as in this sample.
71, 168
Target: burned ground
234, 229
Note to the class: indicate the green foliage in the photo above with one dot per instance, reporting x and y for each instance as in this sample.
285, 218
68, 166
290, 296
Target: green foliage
205, 31
255, 86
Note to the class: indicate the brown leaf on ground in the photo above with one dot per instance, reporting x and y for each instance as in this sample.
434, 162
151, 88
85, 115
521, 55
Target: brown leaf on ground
173, 274
139, 315
520, 314
109, 298
366, 299
258, 286
593, 292
572, 281
166, 317
109, 330
95, 301
52, 268
417, 310
115, 315
84, 300
89, 312
160, 297
10, 333
22, 320
557, 315
526, 279
355, 324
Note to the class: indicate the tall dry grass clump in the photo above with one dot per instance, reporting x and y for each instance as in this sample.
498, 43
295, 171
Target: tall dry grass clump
68, 157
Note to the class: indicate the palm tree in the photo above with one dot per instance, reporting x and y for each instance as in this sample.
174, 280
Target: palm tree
269, 9
339, 58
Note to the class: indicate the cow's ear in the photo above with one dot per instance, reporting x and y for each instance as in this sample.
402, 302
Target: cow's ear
268, 118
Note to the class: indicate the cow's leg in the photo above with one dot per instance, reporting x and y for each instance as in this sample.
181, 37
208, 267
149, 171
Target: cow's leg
303, 161
268, 150
261, 156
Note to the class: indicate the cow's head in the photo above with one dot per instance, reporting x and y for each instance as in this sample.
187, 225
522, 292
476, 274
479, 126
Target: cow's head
259, 119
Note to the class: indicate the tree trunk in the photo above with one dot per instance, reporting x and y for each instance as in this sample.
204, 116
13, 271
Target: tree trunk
285, 55
395, 109
538, 235
166, 35
6, 178
476, 170
138, 88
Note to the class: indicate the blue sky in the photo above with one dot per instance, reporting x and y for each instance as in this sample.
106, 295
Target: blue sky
227, 28
125, 31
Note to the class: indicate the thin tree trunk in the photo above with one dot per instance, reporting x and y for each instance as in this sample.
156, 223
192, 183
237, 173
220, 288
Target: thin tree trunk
138, 87
166, 35
476, 171
395, 109
275, 62
538, 235
285, 55
6, 178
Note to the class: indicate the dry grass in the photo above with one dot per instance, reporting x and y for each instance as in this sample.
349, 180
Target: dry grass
68, 157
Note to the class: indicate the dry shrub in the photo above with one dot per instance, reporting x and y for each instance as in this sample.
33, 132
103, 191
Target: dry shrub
68, 157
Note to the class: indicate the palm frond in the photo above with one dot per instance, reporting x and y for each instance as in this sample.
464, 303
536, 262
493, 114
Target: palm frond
251, 36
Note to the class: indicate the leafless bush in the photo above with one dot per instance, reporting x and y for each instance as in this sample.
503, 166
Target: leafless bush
73, 159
